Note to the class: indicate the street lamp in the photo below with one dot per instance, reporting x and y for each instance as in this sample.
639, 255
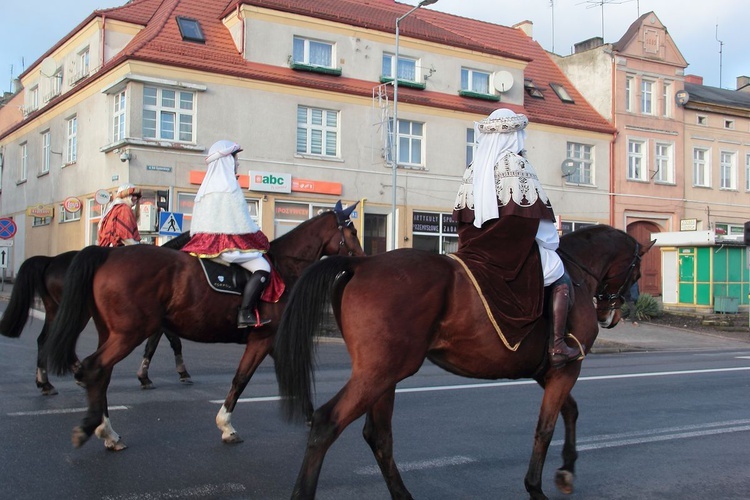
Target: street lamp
394, 140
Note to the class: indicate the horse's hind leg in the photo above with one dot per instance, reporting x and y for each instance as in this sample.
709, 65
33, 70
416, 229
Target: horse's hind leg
148, 353
42, 381
179, 363
378, 433
565, 474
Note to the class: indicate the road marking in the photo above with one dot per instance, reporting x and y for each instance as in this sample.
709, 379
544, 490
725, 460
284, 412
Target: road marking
249, 400
434, 463
203, 491
59, 411
743, 357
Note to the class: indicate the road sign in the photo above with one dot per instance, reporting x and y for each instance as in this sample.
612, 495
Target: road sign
7, 228
4, 255
170, 223
6, 243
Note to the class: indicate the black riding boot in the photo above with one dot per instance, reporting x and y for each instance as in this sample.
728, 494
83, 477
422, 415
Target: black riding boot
561, 353
253, 289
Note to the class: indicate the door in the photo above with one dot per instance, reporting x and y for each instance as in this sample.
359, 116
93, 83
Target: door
650, 281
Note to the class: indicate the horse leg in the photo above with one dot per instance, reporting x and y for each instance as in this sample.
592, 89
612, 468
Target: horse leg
557, 387
148, 353
378, 433
256, 351
42, 381
176, 344
105, 432
565, 474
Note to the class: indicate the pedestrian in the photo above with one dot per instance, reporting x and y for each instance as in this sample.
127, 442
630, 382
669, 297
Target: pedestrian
119, 223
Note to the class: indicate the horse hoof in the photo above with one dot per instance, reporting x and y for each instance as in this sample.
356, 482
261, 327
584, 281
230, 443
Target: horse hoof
80, 383
146, 383
185, 378
118, 446
79, 437
564, 481
49, 391
233, 438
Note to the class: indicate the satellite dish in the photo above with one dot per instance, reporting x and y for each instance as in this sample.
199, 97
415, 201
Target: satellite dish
568, 168
681, 97
48, 67
503, 81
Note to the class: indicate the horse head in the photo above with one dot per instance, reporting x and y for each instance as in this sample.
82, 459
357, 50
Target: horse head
348, 244
620, 276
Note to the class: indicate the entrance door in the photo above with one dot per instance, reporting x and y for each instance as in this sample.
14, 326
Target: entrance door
374, 237
650, 281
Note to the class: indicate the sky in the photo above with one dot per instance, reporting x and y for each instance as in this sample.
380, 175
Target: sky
709, 34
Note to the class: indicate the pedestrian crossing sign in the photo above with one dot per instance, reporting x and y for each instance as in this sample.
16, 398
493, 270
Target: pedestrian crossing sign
170, 223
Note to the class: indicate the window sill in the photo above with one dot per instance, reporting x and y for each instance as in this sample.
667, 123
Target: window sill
67, 164
310, 156
404, 83
22, 181
479, 95
731, 190
580, 184
665, 183
316, 69
642, 181
42, 174
701, 186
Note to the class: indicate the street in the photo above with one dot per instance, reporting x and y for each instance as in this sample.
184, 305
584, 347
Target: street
653, 425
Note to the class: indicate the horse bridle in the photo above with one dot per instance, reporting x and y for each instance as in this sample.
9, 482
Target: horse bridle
601, 296
342, 225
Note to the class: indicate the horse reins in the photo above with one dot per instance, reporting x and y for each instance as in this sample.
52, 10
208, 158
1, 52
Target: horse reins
342, 243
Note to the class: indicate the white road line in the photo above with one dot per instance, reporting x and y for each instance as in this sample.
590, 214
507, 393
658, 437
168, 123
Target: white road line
666, 437
249, 400
59, 411
434, 463
203, 491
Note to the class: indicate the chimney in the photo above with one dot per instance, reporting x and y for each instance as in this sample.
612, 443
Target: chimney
694, 79
743, 83
589, 44
527, 27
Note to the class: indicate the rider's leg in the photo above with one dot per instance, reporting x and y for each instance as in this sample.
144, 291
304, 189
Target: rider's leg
560, 301
261, 271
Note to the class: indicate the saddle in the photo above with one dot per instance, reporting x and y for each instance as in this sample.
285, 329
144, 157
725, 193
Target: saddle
225, 278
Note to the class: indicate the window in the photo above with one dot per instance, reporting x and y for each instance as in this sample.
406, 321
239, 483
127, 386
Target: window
629, 83
580, 155
118, 117
647, 102
41, 221
94, 211
24, 173
33, 103
434, 232
747, 172
288, 215
531, 89
55, 85
702, 120
473, 80
190, 29
168, 114
409, 144
637, 160
667, 99
729, 124
65, 216
407, 68
71, 154
317, 131
701, 167
471, 146
313, 52
728, 170
561, 93
83, 64
664, 167
46, 152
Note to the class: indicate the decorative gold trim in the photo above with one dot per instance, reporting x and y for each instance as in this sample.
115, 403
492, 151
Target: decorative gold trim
503, 125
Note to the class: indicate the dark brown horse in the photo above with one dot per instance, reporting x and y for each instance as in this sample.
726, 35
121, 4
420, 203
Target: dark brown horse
139, 289
44, 276
399, 308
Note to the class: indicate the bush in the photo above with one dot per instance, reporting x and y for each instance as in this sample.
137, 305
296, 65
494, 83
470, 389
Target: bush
647, 307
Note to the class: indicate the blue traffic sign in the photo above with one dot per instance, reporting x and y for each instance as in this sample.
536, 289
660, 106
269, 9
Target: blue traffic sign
170, 223
8, 228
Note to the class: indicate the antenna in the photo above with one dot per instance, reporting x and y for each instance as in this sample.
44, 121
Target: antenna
552, 4
721, 48
602, 3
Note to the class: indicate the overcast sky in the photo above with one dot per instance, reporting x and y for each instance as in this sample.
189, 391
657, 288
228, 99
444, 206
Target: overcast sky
26, 33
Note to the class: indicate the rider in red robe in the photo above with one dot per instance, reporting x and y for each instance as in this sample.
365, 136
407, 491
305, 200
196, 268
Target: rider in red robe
119, 225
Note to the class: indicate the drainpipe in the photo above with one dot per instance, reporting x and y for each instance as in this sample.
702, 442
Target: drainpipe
612, 150
241, 17
104, 34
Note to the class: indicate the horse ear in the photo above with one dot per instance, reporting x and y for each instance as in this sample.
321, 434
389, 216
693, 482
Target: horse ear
348, 212
646, 248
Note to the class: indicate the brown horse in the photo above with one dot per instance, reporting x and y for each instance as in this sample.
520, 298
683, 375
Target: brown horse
399, 308
139, 289
44, 276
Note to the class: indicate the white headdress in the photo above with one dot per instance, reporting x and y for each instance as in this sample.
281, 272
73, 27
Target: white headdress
500, 133
220, 176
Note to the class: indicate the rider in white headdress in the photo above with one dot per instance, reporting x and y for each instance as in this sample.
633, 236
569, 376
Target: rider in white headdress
502, 183
222, 227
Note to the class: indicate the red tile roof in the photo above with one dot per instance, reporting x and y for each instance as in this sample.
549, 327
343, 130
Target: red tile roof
161, 42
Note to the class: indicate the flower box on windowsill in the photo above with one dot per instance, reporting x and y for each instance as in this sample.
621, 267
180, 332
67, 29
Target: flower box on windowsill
404, 83
316, 69
478, 95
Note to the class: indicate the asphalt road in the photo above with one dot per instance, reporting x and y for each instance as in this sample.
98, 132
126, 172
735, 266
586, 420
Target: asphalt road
660, 424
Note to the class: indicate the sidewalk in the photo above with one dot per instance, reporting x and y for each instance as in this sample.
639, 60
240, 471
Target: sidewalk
625, 337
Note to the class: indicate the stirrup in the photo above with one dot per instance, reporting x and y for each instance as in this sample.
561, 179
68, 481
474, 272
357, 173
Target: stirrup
245, 324
559, 359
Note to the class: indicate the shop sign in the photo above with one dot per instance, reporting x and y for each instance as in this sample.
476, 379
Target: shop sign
319, 187
40, 211
72, 204
270, 182
688, 224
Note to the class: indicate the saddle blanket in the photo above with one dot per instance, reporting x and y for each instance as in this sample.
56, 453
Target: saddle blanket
223, 277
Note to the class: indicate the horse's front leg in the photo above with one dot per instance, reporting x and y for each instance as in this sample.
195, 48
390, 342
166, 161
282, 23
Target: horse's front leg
256, 351
557, 386
96, 380
42, 381
105, 432
565, 474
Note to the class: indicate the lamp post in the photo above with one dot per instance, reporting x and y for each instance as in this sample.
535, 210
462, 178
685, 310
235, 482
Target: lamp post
394, 140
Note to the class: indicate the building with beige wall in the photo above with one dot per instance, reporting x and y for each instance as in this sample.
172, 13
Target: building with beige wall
139, 93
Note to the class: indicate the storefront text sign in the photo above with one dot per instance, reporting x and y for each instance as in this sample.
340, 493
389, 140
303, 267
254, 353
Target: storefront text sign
270, 182
40, 211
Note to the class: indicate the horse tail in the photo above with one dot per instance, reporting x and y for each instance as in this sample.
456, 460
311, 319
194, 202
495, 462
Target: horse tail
29, 281
74, 312
293, 352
